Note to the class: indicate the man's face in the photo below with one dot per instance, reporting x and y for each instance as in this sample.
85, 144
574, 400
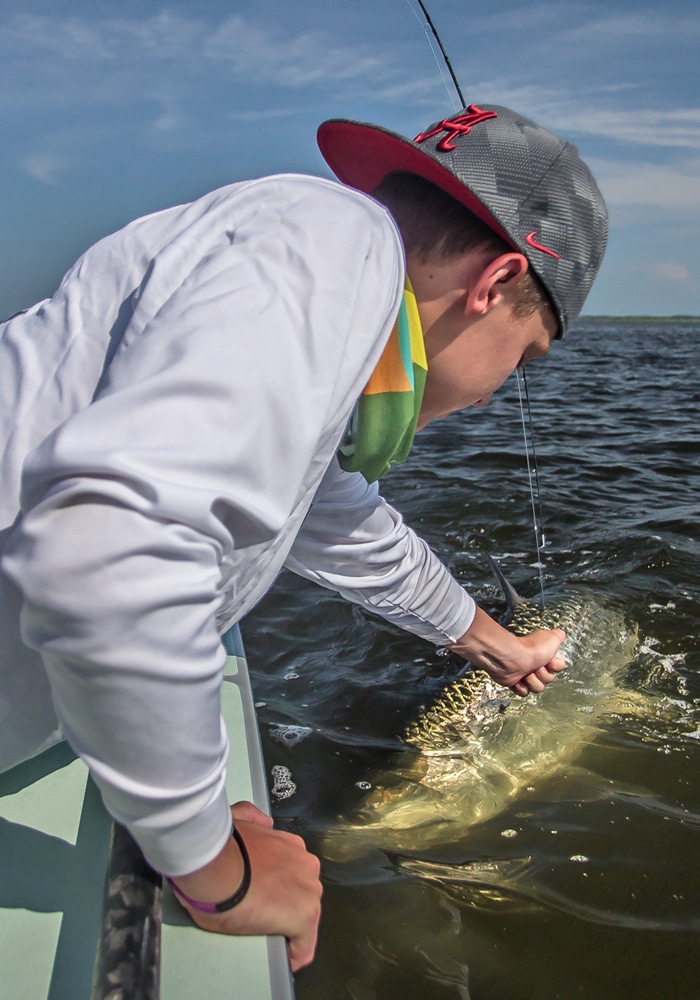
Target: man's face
466, 370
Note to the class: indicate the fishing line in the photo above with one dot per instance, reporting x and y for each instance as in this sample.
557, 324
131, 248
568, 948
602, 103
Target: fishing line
436, 57
529, 439
429, 25
532, 472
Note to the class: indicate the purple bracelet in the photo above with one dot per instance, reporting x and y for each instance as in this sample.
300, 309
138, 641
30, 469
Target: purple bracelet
226, 904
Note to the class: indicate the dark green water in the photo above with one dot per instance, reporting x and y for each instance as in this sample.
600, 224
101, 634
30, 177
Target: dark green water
617, 416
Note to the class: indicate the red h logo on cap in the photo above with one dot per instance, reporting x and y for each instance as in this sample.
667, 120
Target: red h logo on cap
460, 125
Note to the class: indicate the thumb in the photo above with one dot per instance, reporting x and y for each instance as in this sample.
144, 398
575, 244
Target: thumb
555, 637
546, 639
249, 813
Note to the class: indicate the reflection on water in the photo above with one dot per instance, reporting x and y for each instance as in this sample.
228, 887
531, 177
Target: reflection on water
587, 882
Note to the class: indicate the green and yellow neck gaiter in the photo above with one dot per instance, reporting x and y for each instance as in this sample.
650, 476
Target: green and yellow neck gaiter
382, 426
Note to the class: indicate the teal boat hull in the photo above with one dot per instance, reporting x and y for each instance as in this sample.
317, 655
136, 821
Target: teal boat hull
82, 917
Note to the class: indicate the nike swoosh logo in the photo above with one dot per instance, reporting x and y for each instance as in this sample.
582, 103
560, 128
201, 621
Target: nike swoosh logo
531, 241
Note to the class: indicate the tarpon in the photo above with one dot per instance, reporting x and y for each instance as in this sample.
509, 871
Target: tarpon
478, 745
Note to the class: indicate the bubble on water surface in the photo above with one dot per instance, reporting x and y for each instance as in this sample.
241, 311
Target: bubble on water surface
289, 736
283, 787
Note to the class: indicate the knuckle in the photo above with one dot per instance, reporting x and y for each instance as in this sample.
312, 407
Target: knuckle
294, 841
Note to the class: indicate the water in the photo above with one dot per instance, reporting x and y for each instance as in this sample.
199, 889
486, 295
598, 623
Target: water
588, 884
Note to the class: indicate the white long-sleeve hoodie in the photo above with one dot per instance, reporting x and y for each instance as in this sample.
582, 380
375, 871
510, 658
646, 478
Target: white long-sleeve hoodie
168, 418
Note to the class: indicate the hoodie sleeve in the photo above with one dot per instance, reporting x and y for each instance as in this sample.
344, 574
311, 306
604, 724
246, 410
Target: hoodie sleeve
355, 543
201, 445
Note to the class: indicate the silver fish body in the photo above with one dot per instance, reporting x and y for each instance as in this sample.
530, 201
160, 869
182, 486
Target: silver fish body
478, 746
473, 701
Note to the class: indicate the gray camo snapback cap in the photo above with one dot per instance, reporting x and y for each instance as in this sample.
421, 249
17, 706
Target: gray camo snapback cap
527, 184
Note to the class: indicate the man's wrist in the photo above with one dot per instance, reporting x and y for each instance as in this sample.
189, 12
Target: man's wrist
218, 880
487, 644
225, 904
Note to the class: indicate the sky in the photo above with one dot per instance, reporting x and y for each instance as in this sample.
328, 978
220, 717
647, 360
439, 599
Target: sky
113, 110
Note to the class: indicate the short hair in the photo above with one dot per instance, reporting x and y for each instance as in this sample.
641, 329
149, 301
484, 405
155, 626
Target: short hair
435, 226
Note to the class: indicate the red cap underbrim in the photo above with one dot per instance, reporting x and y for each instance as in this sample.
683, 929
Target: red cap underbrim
361, 156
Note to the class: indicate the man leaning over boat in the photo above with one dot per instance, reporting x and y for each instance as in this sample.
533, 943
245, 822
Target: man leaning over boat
213, 393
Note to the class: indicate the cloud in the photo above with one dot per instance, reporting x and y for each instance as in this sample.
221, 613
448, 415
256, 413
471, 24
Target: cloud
582, 112
268, 114
643, 126
248, 50
650, 185
580, 26
163, 36
646, 25
533, 17
43, 167
309, 57
76, 62
667, 272
170, 118
71, 38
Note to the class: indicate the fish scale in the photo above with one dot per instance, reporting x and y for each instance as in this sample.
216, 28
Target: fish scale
474, 700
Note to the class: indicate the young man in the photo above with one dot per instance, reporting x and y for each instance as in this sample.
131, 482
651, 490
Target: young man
211, 394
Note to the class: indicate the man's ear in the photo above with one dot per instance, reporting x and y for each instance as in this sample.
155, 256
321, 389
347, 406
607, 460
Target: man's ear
495, 282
